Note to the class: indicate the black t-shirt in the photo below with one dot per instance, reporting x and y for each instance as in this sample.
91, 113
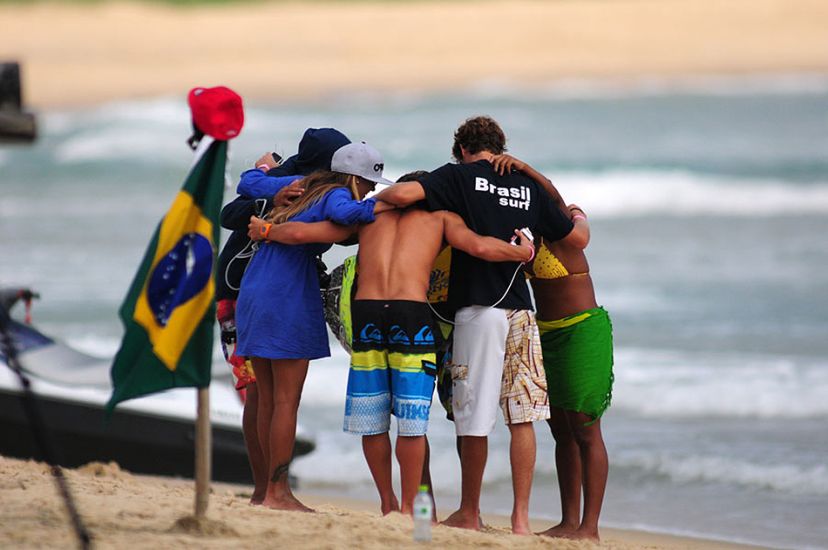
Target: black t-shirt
494, 206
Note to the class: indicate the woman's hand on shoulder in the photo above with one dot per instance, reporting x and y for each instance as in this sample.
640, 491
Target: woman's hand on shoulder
288, 194
503, 163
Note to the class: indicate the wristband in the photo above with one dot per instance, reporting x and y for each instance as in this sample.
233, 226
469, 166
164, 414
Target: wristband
532, 257
264, 230
578, 217
264, 167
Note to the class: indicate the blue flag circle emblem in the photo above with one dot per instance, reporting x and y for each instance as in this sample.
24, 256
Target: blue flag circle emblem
179, 276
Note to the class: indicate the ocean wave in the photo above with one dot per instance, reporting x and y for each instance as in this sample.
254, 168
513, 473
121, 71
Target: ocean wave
681, 468
137, 145
680, 384
628, 193
160, 111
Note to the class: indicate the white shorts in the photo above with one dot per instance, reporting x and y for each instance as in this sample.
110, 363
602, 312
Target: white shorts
497, 361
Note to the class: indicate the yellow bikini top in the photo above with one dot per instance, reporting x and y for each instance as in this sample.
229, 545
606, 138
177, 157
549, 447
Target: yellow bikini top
548, 266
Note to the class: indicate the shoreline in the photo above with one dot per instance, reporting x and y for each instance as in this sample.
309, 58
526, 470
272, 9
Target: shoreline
82, 54
122, 509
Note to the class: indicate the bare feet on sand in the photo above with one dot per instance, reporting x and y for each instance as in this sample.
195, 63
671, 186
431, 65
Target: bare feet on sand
388, 507
285, 502
520, 523
571, 532
464, 520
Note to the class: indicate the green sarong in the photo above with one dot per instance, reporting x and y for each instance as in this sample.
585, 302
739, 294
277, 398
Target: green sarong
577, 358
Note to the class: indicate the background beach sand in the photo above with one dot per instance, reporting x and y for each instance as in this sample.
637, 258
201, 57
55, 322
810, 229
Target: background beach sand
85, 53
124, 510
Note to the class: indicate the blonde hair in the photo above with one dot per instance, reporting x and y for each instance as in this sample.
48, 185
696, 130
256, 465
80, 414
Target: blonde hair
316, 185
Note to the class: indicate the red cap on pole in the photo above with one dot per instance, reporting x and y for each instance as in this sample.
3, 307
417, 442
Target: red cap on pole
217, 112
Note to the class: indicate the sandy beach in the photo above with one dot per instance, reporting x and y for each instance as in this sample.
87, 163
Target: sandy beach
80, 54
125, 510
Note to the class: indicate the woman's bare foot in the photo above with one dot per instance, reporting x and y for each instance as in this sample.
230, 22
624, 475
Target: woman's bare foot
560, 531
258, 497
519, 529
285, 502
586, 533
463, 520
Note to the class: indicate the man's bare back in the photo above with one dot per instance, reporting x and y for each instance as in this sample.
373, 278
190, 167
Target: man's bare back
396, 254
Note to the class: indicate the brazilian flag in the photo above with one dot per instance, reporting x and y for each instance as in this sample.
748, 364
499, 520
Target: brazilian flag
169, 310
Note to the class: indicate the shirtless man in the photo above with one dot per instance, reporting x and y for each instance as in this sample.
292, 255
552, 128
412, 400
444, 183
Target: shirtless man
393, 363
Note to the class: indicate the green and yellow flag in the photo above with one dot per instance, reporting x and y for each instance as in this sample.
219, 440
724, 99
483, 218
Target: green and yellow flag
169, 311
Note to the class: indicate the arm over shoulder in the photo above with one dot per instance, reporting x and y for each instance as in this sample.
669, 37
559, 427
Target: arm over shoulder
459, 236
402, 194
256, 184
304, 233
342, 208
554, 224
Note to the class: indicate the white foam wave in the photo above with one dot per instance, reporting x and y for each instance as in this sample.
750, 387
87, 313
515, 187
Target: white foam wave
135, 144
160, 111
616, 194
660, 383
720, 469
143, 131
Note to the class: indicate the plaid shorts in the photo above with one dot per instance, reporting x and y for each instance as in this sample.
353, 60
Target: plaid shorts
523, 395
496, 359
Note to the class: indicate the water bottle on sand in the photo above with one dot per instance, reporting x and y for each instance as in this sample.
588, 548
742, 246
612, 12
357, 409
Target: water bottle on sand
423, 508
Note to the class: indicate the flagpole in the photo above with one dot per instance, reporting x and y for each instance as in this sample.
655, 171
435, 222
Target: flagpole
202, 454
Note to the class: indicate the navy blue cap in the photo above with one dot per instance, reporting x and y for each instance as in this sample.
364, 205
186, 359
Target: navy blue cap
316, 148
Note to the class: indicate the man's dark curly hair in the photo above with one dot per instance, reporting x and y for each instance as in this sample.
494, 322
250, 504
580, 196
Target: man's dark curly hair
416, 175
476, 134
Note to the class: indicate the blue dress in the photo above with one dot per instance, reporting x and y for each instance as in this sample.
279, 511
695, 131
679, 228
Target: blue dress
279, 309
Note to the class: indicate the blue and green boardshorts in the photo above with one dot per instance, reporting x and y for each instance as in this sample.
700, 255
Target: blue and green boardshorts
393, 365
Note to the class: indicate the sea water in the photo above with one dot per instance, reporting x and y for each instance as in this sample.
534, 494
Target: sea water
708, 202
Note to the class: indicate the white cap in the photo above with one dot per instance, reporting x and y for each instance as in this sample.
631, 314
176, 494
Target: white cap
359, 159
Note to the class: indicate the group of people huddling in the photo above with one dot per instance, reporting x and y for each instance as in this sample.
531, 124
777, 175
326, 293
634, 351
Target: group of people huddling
505, 223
